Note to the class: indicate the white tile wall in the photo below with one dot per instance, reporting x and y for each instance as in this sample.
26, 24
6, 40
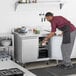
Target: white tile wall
29, 14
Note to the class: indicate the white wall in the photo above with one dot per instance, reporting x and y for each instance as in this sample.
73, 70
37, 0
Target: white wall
69, 10
29, 14
24, 15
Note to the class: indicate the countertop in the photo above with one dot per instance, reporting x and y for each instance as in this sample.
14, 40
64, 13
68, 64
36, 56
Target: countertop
10, 64
33, 35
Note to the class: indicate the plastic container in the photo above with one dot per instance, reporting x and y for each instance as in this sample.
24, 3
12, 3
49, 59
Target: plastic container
6, 42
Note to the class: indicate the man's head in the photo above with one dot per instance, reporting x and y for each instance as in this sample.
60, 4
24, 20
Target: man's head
49, 16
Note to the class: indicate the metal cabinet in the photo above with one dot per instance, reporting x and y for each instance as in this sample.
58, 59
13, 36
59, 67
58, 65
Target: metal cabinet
55, 44
29, 49
26, 48
56, 47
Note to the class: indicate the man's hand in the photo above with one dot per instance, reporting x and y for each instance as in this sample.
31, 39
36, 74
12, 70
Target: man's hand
44, 42
47, 38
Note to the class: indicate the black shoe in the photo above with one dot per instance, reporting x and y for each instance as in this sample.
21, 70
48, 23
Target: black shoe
60, 65
68, 67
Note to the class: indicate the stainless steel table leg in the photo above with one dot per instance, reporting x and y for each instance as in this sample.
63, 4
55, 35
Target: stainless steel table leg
57, 61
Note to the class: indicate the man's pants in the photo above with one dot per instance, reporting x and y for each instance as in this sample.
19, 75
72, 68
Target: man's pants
67, 50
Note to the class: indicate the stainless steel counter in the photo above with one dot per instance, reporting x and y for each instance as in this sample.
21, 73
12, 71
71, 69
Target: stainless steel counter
10, 64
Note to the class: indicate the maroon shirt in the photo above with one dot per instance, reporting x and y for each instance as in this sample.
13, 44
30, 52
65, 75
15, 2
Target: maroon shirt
59, 22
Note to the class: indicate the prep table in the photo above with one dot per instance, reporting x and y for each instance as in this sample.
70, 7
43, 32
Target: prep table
55, 43
27, 48
10, 64
24, 54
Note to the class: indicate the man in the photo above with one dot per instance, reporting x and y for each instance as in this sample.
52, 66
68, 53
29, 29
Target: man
69, 33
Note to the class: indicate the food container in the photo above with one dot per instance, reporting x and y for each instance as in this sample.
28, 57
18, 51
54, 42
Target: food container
6, 42
21, 30
36, 31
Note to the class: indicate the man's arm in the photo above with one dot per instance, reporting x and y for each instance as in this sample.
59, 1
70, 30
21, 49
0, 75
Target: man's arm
52, 33
48, 37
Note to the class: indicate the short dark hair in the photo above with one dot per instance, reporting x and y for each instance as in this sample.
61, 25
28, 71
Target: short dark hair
49, 14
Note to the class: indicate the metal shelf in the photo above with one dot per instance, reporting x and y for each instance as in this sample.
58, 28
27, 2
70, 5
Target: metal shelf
9, 48
52, 2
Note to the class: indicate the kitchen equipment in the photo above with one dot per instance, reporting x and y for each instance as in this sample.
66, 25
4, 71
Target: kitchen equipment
6, 48
11, 72
36, 31
43, 50
26, 49
6, 42
5, 72
23, 1
16, 72
12, 64
4, 56
34, 1
27, 1
1, 75
21, 30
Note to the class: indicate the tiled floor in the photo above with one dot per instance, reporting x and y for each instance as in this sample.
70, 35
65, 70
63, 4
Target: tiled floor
43, 64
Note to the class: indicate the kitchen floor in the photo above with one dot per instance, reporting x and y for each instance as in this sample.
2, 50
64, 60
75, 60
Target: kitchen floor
43, 64
44, 69
55, 71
